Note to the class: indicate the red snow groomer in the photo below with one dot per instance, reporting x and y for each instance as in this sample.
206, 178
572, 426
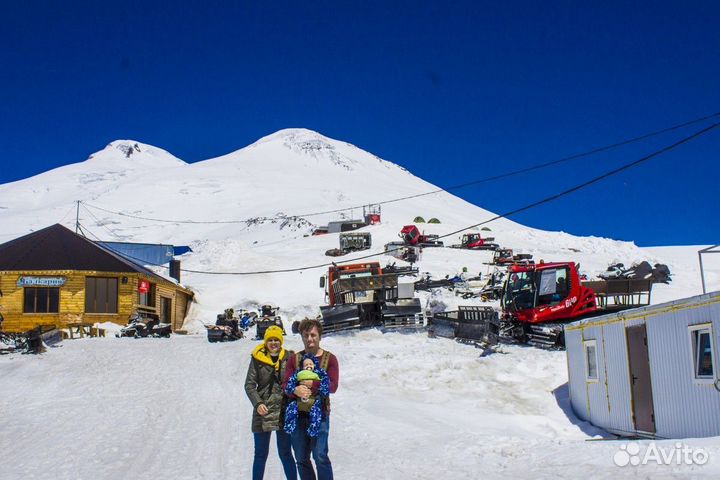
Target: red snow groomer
474, 241
411, 235
539, 298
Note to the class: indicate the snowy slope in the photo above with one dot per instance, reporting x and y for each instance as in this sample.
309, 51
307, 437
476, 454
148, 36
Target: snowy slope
291, 172
407, 407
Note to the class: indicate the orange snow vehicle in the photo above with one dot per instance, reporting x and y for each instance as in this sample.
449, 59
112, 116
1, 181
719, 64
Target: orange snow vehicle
364, 295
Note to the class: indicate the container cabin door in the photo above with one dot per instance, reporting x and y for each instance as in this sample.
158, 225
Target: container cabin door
640, 383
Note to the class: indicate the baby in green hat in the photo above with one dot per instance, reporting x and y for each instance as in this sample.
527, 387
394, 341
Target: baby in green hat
307, 375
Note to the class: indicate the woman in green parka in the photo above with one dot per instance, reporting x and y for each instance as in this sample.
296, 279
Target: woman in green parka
263, 385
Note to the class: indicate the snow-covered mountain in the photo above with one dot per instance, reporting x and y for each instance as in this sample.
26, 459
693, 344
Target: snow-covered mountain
254, 208
408, 406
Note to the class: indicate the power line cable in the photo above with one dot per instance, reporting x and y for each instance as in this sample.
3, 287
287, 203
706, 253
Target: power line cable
100, 224
66, 214
452, 187
594, 180
542, 165
202, 222
82, 231
505, 215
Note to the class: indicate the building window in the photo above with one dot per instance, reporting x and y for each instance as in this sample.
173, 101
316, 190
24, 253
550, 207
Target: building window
147, 296
101, 295
41, 300
702, 352
590, 360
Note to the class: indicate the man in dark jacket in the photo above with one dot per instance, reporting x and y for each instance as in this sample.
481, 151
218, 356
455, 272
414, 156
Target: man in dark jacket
263, 385
302, 442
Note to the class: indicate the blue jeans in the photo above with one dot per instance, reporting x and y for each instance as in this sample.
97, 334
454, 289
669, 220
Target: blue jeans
304, 445
262, 447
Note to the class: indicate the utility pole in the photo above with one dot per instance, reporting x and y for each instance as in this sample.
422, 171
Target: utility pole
77, 217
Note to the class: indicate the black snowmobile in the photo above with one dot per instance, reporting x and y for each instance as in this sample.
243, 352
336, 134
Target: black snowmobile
145, 325
660, 273
268, 317
226, 329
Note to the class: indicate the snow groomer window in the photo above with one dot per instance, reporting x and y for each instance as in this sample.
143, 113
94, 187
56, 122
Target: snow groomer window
702, 352
590, 360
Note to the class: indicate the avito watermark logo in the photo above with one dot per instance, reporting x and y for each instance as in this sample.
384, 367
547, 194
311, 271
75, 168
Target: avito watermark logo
677, 454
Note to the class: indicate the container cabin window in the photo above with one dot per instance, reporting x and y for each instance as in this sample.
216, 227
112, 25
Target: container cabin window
591, 373
702, 349
101, 295
41, 300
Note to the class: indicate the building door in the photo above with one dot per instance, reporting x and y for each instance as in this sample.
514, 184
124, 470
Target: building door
640, 382
165, 310
179, 312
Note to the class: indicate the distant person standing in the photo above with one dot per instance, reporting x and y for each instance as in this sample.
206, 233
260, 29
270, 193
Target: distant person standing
263, 385
310, 432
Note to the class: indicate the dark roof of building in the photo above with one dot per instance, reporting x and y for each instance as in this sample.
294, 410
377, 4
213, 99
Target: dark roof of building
59, 248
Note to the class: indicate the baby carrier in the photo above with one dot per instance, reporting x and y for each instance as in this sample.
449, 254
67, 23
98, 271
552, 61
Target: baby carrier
317, 405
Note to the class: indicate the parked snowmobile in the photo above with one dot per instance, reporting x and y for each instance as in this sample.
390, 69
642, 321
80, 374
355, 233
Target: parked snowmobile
451, 283
226, 329
658, 274
613, 271
247, 320
428, 283
400, 271
661, 273
144, 325
268, 317
31, 341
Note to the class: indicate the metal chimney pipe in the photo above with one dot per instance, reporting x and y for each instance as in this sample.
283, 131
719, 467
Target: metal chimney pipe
175, 269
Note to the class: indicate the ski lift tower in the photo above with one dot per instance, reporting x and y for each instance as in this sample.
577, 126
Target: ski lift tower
371, 214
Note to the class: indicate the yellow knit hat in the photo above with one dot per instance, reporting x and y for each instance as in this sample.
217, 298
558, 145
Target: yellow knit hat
273, 331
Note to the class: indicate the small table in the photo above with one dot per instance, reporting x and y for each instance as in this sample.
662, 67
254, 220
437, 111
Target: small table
81, 330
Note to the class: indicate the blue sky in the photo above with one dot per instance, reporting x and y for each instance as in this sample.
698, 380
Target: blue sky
453, 91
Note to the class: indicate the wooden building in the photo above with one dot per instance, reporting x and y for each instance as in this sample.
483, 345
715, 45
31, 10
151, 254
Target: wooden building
56, 277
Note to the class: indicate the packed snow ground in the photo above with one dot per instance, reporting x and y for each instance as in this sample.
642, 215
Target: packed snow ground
408, 406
